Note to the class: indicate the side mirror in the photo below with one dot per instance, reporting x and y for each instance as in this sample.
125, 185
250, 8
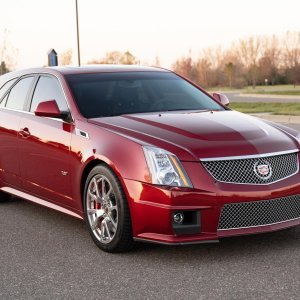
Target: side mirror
221, 98
48, 109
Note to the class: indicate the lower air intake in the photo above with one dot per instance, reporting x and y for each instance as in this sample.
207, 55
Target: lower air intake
259, 213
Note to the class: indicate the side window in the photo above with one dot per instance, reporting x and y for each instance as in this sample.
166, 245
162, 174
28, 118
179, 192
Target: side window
4, 89
47, 89
17, 96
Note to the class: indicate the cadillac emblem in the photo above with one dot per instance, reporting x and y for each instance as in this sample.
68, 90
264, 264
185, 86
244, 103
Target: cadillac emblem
263, 170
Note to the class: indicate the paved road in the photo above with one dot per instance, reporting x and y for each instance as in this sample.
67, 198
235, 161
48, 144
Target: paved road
48, 255
237, 97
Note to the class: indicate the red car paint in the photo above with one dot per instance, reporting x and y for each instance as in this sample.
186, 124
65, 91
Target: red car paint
46, 161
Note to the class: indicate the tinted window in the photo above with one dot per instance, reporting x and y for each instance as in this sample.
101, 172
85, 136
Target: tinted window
4, 89
109, 94
48, 89
18, 93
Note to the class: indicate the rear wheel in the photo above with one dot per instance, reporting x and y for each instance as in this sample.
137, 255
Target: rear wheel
106, 211
4, 197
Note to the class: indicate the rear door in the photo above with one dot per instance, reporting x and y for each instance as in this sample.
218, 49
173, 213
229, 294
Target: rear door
12, 103
45, 146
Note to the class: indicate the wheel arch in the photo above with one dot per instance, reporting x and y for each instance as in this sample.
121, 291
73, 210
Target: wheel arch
87, 169
85, 173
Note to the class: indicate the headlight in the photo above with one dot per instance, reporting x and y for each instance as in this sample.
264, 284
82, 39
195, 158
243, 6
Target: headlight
298, 137
165, 168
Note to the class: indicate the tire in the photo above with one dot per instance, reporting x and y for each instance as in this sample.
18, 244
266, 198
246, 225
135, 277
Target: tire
106, 211
4, 197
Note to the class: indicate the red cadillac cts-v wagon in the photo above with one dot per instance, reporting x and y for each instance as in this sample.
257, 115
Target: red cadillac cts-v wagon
143, 154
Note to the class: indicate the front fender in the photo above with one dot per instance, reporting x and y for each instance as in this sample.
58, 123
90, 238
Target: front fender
124, 156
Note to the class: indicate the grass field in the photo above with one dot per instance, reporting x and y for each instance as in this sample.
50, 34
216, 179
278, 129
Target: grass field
280, 92
275, 108
289, 90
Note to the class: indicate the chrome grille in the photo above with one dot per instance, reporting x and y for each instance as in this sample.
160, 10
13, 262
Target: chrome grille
259, 213
243, 170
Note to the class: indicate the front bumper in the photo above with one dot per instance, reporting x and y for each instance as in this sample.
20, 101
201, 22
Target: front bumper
152, 207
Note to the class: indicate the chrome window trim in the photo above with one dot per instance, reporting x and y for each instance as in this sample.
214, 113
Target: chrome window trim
16, 79
17, 110
32, 114
238, 228
249, 156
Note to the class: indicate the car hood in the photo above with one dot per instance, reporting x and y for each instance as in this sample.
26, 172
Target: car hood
194, 135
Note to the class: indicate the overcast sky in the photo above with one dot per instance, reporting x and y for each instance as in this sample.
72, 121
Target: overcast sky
164, 28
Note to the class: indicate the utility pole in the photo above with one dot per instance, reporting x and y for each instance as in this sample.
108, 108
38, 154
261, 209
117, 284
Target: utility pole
77, 25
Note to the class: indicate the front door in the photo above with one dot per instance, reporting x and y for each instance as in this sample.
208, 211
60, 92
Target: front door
45, 147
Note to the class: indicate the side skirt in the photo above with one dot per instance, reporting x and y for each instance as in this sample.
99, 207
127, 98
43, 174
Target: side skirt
42, 202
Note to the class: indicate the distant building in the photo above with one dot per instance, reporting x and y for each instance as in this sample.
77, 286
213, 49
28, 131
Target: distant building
52, 58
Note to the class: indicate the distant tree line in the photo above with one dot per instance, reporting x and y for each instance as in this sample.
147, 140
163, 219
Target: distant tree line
117, 57
252, 61
8, 54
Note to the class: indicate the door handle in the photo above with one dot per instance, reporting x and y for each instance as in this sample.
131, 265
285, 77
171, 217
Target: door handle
24, 133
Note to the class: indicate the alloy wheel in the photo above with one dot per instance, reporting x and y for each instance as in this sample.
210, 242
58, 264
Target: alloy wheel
102, 209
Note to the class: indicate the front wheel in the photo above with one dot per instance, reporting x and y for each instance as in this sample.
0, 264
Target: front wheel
106, 211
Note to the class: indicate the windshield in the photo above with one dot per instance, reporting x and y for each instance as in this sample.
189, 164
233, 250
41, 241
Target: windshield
113, 94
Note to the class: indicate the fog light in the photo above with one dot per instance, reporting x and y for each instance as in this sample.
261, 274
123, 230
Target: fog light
178, 218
